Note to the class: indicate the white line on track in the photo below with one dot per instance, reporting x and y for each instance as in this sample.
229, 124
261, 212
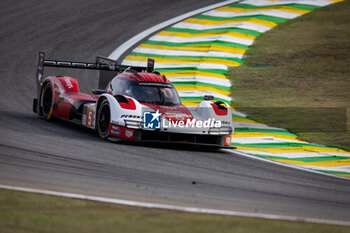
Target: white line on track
244, 25
173, 207
224, 38
275, 13
134, 40
286, 165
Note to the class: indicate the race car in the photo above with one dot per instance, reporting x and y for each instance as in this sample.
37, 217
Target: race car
136, 104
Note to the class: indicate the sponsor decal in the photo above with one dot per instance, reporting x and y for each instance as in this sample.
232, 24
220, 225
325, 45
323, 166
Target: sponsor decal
152, 120
68, 83
228, 140
131, 116
129, 133
115, 132
116, 127
225, 122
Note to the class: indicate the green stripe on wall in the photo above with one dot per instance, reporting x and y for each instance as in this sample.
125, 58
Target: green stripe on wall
334, 172
202, 98
178, 84
179, 69
223, 30
261, 17
306, 159
280, 145
266, 131
240, 117
297, 6
207, 43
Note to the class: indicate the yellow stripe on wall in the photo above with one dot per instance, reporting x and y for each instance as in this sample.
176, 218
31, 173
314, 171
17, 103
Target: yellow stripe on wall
201, 88
280, 8
193, 74
191, 35
196, 48
190, 103
302, 149
335, 163
215, 22
258, 134
181, 61
236, 119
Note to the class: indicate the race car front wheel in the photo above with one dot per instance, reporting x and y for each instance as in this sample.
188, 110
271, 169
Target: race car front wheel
46, 101
103, 119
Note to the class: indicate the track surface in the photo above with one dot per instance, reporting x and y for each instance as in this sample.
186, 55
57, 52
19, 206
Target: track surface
62, 157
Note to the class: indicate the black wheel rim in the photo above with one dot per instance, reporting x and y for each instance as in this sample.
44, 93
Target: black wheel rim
104, 119
47, 100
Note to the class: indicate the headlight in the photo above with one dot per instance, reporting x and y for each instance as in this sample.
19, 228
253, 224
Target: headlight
133, 124
220, 131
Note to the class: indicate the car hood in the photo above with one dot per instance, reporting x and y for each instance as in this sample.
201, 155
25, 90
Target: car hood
172, 113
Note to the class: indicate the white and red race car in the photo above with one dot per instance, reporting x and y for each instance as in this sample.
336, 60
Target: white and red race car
138, 104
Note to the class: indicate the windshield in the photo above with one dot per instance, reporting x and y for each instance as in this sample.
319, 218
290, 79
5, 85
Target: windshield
162, 95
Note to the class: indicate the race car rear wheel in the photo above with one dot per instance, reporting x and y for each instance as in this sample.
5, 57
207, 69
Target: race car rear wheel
103, 119
46, 101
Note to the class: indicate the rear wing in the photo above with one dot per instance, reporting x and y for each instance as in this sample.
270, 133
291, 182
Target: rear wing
108, 68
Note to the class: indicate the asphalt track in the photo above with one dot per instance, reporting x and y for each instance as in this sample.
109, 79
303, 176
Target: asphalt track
63, 157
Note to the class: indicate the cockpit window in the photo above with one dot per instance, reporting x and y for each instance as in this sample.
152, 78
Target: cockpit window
147, 92
119, 86
154, 95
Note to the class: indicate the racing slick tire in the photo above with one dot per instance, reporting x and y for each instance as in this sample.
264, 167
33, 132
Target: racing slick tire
46, 101
103, 119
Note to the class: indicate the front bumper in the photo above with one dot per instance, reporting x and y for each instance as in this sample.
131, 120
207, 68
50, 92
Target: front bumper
206, 140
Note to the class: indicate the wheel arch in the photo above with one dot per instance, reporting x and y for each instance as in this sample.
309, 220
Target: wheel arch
113, 105
41, 111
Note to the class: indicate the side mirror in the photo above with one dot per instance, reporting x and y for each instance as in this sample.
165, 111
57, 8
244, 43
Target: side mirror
208, 97
150, 65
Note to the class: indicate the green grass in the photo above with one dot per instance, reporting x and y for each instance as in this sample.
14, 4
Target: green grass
301, 64
25, 212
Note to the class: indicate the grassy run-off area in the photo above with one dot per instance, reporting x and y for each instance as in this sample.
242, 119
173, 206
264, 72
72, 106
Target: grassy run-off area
24, 212
297, 76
